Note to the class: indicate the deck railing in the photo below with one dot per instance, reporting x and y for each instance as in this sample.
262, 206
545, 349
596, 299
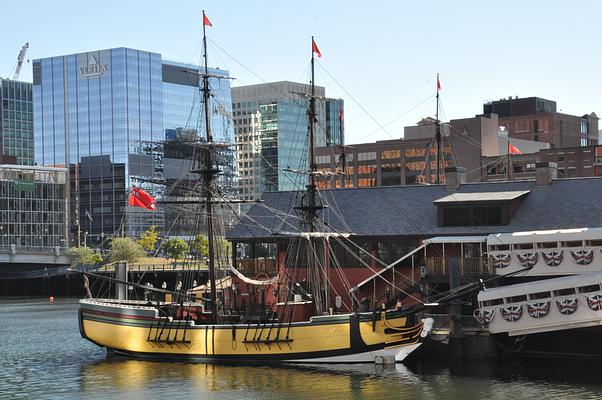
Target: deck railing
468, 266
254, 266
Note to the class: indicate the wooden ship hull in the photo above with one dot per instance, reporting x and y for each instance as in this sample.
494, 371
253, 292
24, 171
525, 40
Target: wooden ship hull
135, 329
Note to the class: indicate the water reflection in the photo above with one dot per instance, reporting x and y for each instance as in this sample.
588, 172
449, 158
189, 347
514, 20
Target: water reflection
129, 377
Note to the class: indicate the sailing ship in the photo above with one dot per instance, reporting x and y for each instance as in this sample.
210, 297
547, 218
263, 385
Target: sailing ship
298, 324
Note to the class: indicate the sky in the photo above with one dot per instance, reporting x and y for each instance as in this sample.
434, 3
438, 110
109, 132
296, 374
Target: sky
380, 57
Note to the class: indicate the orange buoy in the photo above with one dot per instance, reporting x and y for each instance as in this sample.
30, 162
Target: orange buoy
51, 299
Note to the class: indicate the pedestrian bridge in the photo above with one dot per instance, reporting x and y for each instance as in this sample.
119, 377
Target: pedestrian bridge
22, 262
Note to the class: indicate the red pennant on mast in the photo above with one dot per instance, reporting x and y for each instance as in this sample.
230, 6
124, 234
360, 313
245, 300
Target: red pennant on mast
206, 21
438, 84
314, 47
513, 149
341, 114
139, 198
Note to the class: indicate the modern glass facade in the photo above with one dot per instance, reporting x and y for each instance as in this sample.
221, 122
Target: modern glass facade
33, 203
101, 114
271, 133
16, 122
284, 134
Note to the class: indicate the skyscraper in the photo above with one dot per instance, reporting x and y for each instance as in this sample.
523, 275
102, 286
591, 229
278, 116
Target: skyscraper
271, 131
105, 116
16, 122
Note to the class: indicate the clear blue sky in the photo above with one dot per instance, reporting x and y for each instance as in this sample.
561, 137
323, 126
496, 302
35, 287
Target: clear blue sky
385, 55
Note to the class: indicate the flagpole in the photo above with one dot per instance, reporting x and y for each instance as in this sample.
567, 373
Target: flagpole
438, 135
207, 178
509, 164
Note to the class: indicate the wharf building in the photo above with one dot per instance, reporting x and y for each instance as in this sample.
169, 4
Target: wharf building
16, 122
105, 116
536, 119
271, 131
431, 238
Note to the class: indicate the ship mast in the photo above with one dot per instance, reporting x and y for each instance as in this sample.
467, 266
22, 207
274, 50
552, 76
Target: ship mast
311, 186
208, 173
438, 135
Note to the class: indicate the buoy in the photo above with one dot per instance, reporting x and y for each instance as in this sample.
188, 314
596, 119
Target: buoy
51, 299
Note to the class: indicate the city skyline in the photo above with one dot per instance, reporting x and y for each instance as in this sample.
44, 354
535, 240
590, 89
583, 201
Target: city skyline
381, 61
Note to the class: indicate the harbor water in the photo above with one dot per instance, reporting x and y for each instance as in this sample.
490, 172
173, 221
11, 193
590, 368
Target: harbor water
44, 357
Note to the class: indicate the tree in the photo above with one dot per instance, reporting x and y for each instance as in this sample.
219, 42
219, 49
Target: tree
84, 256
126, 249
148, 238
200, 244
176, 248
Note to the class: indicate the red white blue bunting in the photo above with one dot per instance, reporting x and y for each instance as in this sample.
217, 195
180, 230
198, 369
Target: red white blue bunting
484, 316
594, 302
583, 257
528, 259
538, 309
512, 313
567, 306
553, 258
501, 260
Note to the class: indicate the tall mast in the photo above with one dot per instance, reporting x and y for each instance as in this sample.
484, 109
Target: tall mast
208, 172
438, 134
311, 186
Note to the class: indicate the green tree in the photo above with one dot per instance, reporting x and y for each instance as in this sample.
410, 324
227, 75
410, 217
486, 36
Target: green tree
84, 256
148, 238
126, 249
200, 244
176, 248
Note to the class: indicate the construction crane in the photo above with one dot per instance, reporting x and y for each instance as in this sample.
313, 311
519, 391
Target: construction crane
20, 60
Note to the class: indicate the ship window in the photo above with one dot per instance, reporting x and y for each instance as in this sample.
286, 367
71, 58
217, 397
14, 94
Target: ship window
564, 292
493, 302
539, 295
547, 245
594, 242
500, 247
589, 288
522, 246
573, 243
516, 299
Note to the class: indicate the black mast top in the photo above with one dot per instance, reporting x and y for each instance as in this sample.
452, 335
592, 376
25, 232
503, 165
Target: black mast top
311, 186
208, 175
438, 136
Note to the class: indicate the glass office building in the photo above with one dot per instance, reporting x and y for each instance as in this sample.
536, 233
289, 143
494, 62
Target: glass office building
16, 122
283, 131
271, 130
33, 201
105, 116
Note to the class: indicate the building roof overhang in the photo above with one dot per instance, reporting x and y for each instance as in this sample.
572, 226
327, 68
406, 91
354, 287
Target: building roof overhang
481, 197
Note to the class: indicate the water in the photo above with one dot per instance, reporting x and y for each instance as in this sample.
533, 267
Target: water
44, 357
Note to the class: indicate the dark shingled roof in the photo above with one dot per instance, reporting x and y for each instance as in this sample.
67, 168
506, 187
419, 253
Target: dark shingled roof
410, 211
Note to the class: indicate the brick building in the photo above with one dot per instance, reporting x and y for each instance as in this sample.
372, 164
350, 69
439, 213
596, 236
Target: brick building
572, 162
412, 160
536, 119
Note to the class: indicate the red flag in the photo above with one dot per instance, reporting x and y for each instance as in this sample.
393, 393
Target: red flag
206, 21
314, 47
139, 198
438, 84
341, 114
513, 150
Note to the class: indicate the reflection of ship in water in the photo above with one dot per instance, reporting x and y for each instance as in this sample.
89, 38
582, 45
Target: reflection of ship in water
129, 377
